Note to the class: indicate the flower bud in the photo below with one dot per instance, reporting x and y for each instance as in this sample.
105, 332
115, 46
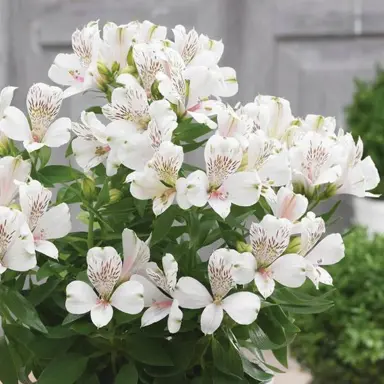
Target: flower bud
330, 191
88, 188
129, 69
5, 145
243, 247
102, 68
294, 245
115, 67
130, 60
115, 195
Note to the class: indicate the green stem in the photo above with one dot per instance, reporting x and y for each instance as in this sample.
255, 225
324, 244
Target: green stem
90, 229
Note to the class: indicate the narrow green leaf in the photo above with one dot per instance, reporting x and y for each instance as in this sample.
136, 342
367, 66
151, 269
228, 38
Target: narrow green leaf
103, 197
260, 339
60, 174
327, 216
64, 370
281, 355
255, 372
227, 359
44, 156
23, 310
163, 224
40, 292
127, 375
8, 373
69, 150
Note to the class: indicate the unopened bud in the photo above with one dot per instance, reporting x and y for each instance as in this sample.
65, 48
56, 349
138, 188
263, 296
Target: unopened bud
294, 245
102, 68
243, 247
115, 67
5, 145
129, 69
88, 188
330, 191
115, 195
15, 206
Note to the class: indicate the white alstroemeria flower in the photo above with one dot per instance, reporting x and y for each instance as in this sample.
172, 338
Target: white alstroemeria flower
136, 255
117, 40
242, 307
270, 160
323, 125
221, 186
279, 113
12, 169
187, 44
104, 271
149, 32
135, 149
8, 113
91, 147
358, 176
160, 303
17, 251
45, 224
129, 107
76, 70
267, 263
315, 161
43, 104
289, 205
158, 180
330, 250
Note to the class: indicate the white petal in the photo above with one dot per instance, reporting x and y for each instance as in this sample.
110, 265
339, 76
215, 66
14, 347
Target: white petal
324, 276
54, 224
242, 307
175, 318
220, 271
170, 268
289, 270
163, 202
104, 269
136, 254
243, 188
152, 294
371, 175
87, 153
264, 283
58, 133
155, 313
81, 298
47, 248
6, 97
244, 268
191, 294
129, 297
182, 193
290, 205
197, 185
220, 204
329, 251
202, 119
101, 314
15, 125
211, 318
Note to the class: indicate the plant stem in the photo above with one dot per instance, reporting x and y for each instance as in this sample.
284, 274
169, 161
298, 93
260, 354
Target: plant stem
90, 229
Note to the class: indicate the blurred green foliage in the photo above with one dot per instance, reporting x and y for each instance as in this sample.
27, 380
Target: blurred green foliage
365, 118
345, 345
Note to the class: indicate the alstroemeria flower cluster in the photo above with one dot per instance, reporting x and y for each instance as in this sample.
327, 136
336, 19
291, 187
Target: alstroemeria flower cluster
263, 172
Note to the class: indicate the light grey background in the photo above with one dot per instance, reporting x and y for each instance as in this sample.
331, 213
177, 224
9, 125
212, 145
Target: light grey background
307, 51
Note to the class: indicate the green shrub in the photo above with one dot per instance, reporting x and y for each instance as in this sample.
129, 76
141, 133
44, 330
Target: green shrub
345, 345
365, 118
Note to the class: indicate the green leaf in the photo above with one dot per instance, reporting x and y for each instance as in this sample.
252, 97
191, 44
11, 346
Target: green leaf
281, 355
127, 375
64, 370
69, 150
40, 292
103, 197
227, 359
260, 339
148, 351
23, 310
69, 194
8, 373
187, 131
306, 310
255, 372
193, 146
95, 109
163, 224
140, 206
44, 156
59, 174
